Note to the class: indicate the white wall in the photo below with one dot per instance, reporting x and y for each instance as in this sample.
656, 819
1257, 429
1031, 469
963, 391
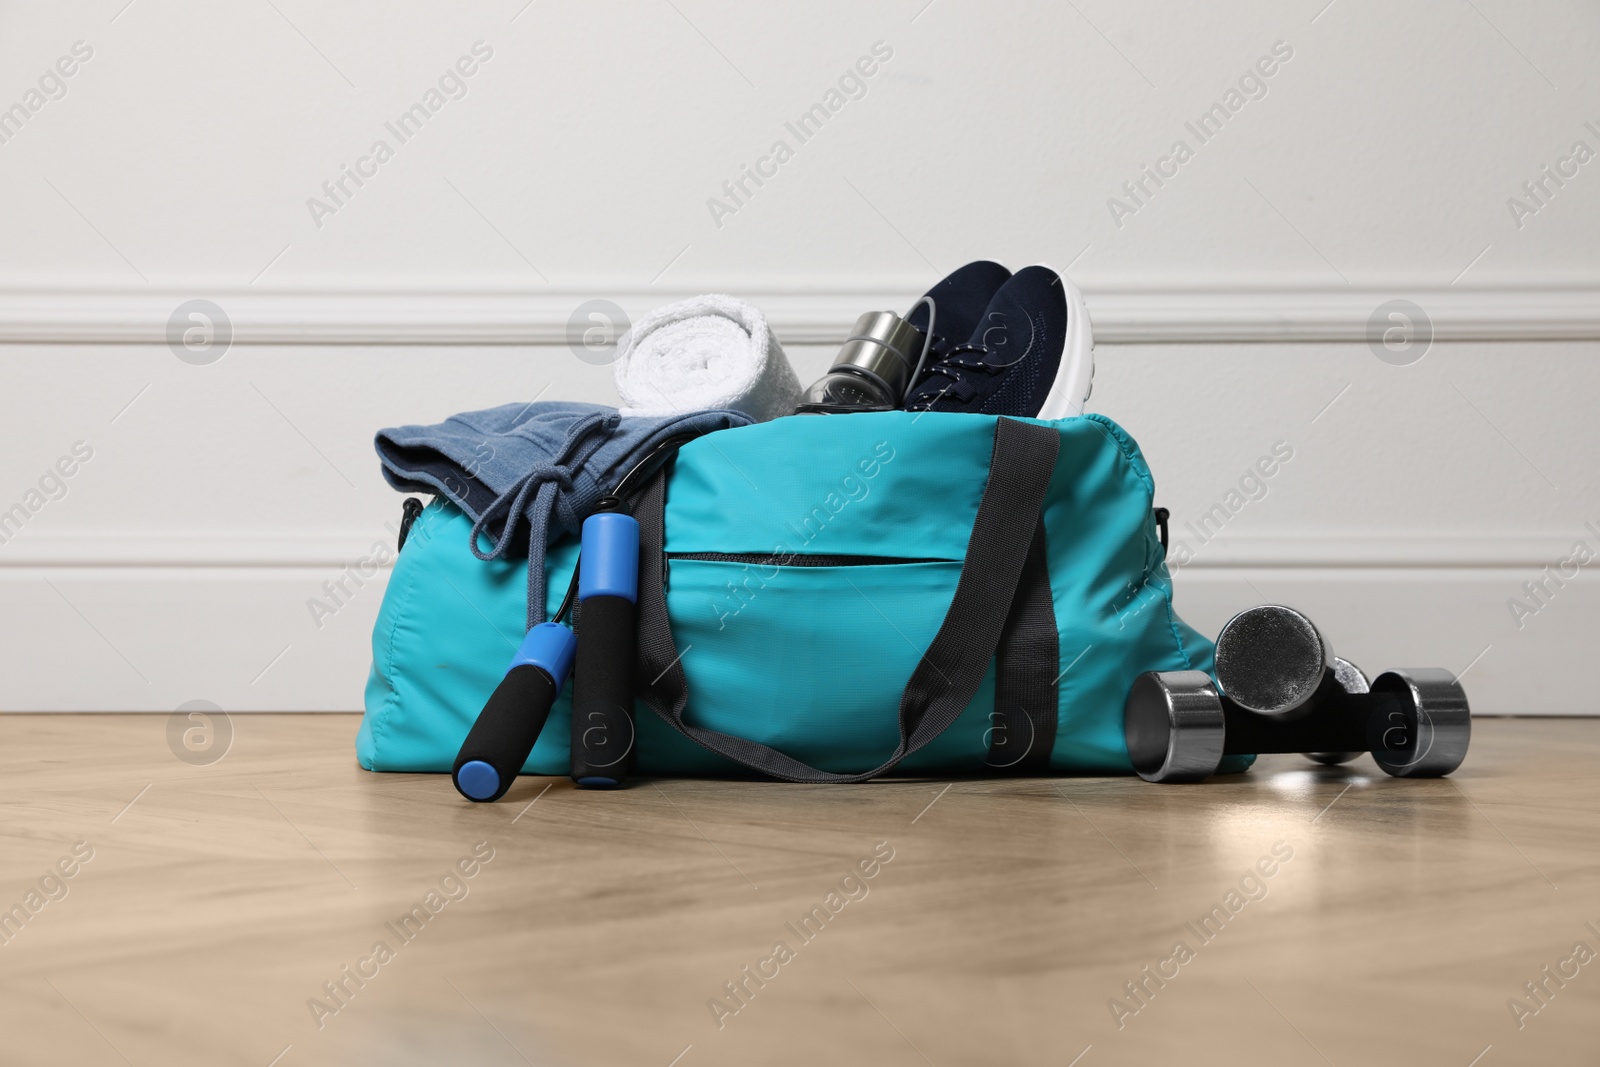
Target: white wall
1232, 305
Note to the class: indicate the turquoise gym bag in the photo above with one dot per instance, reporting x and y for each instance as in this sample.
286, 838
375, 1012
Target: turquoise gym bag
829, 598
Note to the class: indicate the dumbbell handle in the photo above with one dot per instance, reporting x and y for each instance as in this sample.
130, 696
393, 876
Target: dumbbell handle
506, 729
1339, 721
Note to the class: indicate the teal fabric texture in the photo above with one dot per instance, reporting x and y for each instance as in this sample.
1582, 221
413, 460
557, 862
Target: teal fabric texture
809, 659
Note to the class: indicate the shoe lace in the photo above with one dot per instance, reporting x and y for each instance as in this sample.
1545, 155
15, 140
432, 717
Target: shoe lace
956, 364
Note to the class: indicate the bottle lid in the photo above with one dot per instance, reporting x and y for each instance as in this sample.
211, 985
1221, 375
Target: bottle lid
885, 346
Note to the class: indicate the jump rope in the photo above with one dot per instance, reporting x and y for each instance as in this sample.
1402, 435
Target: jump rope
606, 585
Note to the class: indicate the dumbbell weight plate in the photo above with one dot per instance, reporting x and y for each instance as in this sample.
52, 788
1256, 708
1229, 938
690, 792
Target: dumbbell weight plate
1173, 725
1270, 659
1351, 680
1442, 722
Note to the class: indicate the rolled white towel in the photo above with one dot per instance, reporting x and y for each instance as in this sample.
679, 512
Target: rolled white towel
707, 352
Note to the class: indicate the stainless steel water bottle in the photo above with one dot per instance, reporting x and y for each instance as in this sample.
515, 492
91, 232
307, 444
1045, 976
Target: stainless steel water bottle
873, 369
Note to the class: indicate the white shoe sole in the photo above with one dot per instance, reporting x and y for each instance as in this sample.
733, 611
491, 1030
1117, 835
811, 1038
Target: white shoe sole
1075, 374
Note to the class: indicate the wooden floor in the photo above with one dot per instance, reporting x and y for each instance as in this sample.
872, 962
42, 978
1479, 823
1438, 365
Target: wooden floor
1000, 923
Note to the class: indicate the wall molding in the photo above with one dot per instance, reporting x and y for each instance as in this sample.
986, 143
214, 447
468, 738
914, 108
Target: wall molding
799, 314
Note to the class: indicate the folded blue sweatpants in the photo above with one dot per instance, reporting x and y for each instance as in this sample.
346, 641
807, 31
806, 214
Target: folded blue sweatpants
526, 474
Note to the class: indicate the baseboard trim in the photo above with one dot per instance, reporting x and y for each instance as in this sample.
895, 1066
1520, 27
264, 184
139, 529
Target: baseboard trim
263, 639
337, 549
799, 315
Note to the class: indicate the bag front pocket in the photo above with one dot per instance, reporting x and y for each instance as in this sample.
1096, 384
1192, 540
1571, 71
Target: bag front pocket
808, 654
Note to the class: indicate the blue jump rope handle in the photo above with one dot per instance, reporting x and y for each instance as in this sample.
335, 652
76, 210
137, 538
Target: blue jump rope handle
499, 742
602, 681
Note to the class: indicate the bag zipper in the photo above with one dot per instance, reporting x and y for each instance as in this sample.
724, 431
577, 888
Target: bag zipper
772, 559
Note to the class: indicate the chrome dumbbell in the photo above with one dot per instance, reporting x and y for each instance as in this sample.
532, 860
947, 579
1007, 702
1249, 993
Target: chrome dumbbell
1272, 660
1282, 691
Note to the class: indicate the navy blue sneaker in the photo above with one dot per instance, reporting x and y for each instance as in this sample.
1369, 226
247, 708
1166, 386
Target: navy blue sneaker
1030, 355
959, 301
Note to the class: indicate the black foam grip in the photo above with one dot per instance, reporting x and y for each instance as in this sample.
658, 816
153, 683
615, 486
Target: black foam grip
508, 726
602, 690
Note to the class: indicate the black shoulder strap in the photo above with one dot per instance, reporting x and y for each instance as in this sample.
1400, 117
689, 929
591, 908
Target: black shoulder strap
1022, 732
948, 675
